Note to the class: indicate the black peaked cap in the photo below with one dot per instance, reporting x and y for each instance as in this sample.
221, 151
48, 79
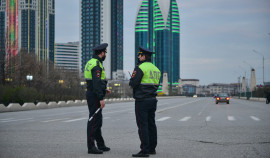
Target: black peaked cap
100, 47
145, 51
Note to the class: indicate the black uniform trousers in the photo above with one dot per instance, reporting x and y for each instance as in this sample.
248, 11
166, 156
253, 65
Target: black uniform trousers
94, 126
147, 129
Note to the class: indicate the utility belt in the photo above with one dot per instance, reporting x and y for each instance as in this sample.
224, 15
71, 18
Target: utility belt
89, 85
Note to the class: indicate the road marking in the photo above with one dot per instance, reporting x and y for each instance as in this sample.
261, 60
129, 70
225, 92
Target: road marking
55, 120
74, 112
117, 111
208, 118
163, 118
165, 109
18, 120
185, 118
255, 118
231, 118
78, 119
6, 119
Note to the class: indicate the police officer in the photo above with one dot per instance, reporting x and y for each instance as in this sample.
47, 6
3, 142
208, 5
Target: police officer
145, 81
96, 89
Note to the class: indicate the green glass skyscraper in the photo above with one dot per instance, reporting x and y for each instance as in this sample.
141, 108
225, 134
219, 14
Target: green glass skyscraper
157, 28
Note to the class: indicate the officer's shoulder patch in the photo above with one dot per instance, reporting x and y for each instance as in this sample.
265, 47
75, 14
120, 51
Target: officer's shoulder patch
134, 73
98, 73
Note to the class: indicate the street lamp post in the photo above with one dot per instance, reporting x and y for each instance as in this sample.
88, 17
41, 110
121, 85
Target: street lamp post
29, 78
263, 62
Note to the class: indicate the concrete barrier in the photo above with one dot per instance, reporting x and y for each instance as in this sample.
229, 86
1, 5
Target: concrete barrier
61, 104
70, 103
258, 99
14, 107
84, 101
3, 108
78, 102
29, 106
42, 105
52, 104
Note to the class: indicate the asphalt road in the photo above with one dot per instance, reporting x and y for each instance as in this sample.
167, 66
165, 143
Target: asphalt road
187, 127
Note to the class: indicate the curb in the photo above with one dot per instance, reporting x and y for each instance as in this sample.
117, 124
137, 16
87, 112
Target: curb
12, 107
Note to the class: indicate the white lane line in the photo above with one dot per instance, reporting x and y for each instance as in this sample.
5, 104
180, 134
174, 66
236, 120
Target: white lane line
18, 120
117, 111
78, 119
208, 118
55, 120
74, 112
163, 118
185, 118
231, 118
255, 118
6, 119
165, 109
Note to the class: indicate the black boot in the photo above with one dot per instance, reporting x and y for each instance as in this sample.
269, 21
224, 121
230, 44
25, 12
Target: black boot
152, 152
104, 148
140, 154
94, 150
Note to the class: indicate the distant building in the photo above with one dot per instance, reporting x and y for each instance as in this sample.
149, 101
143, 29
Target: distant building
102, 22
194, 82
203, 90
28, 26
67, 56
188, 86
157, 28
231, 89
188, 90
191, 86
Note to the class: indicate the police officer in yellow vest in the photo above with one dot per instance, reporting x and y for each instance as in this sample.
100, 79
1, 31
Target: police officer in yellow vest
145, 81
96, 89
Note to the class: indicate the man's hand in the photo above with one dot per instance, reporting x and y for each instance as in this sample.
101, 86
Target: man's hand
102, 104
108, 91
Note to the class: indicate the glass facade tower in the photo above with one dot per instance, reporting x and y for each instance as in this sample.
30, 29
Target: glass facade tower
102, 22
158, 29
29, 26
90, 29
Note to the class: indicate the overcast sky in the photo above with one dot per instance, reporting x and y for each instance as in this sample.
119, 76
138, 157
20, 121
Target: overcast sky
216, 42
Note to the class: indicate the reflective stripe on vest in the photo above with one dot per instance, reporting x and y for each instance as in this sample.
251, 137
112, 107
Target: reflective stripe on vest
88, 69
151, 74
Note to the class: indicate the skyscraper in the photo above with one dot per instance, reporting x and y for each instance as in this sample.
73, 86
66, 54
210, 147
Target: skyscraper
2, 39
102, 22
157, 28
28, 25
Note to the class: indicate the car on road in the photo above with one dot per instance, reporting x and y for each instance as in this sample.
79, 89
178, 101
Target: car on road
195, 96
222, 97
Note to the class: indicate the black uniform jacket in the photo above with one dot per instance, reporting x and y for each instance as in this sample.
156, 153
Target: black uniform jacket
140, 91
96, 85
